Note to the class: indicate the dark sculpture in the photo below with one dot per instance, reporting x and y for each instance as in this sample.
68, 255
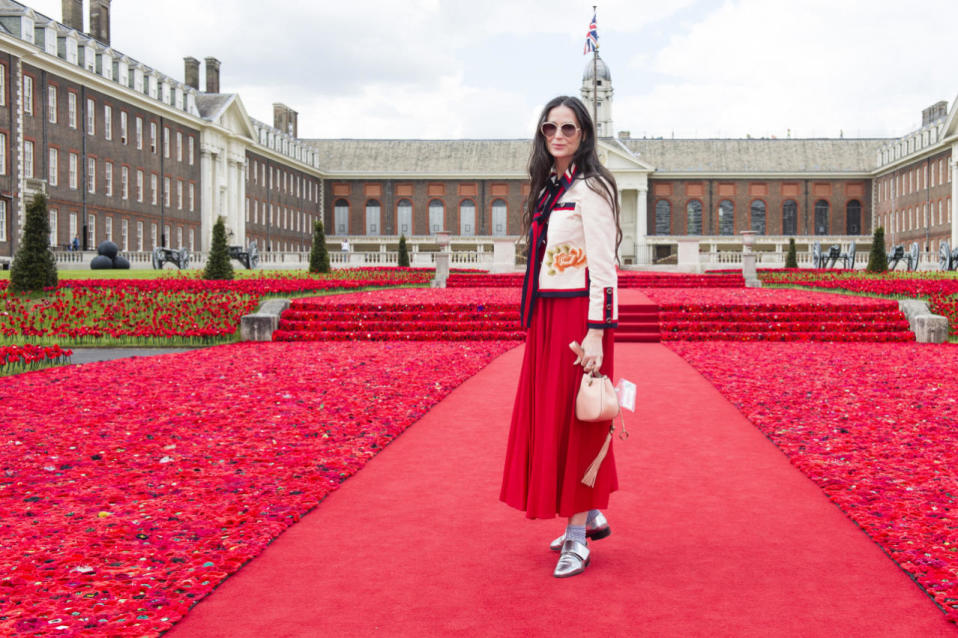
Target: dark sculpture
108, 258
162, 255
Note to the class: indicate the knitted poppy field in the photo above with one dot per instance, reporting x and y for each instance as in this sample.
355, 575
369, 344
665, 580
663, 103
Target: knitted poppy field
874, 425
130, 489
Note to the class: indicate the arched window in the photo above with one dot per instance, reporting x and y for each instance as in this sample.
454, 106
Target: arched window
789, 217
404, 217
758, 216
436, 216
372, 217
341, 217
694, 213
853, 217
821, 217
663, 217
499, 215
726, 217
467, 218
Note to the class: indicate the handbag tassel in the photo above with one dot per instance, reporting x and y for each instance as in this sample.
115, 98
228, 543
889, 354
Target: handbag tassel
593, 472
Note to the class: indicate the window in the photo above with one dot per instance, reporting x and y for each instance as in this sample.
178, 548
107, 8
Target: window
107, 122
54, 234
179, 194
853, 217
821, 217
437, 214
3, 85
179, 236
153, 235
499, 217
166, 191
139, 185
192, 240
138, 131
663, 217
108, 178
179, 146
125, 182
3, 220
91, 231
124, 235
90, 116
74, 231
51, 103
341, 217
139, 236
53, 166
726, 217
192, 198
758, 216
693, 213
166, 237
123, 127
3, 150
91, 174
27, 158
154, 183
71, 109
166, 142
74, 170
28, 95
467, 217
108, 228
248, 208
790, 217
190, 152
153, 137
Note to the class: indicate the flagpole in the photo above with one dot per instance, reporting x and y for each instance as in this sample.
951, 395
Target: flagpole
595, 76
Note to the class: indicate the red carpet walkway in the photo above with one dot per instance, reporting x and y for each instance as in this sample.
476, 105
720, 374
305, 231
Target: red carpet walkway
714, 534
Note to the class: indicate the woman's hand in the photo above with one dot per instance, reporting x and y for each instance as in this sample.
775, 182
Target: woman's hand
592, 346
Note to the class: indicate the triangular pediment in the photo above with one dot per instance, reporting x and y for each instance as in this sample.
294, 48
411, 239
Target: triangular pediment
951, 122
619, 159
226, 111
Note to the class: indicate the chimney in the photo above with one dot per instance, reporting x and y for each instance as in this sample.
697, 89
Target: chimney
73, 14
212, 75
100, 20
285, 119
934, 112
624, 135
192, 78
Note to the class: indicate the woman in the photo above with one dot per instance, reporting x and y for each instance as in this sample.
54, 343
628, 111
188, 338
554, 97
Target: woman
569, 294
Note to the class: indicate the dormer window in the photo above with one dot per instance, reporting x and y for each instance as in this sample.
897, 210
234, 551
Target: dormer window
72, 49
50, 40
179, 98
26, 29
166, 93
123, 73
89, 59
104, 63
151, 81
138, 80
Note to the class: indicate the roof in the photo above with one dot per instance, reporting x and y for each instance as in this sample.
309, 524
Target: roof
466, 157
758, 155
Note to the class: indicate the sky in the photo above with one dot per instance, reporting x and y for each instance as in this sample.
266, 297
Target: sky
452, 69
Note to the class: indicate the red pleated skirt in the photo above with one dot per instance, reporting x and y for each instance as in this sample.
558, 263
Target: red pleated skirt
549, 450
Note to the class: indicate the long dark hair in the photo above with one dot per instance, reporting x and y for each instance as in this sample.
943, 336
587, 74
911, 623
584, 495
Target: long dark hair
586, 160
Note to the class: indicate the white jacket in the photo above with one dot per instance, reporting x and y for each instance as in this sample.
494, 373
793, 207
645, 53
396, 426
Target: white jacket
579, 260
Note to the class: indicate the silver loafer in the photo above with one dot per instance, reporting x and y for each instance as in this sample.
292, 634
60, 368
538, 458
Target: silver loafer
573, 559
597, 531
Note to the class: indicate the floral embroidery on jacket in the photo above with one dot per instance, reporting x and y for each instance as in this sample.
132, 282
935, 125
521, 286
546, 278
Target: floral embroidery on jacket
563, 257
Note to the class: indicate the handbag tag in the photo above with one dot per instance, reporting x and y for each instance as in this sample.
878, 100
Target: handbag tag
625, 391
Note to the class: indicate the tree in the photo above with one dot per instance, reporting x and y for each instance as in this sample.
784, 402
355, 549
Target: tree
34, 266
877, 258
791, 259
403, 252
318, 255
218, 264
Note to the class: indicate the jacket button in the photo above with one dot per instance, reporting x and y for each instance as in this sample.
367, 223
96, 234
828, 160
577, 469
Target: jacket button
608, 307
608, 291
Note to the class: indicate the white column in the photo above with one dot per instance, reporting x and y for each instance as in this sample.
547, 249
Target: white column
642, 226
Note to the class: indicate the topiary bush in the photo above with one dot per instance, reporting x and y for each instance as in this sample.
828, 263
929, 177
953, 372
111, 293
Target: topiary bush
403, 252
791, 259
34, 266
878, 258
318, 255
218, 264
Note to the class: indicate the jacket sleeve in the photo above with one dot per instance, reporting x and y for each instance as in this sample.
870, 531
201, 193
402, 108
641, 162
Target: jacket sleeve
598, 225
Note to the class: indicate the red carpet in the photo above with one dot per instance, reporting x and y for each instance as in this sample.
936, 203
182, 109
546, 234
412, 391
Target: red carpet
714, 534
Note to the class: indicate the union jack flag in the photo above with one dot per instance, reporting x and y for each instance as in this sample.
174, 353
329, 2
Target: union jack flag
592, 37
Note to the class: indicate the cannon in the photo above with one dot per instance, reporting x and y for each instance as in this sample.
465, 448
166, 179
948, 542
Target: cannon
825, 260
848, 257
911, 258
248, 257
162, 255
895, 255
947, 258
